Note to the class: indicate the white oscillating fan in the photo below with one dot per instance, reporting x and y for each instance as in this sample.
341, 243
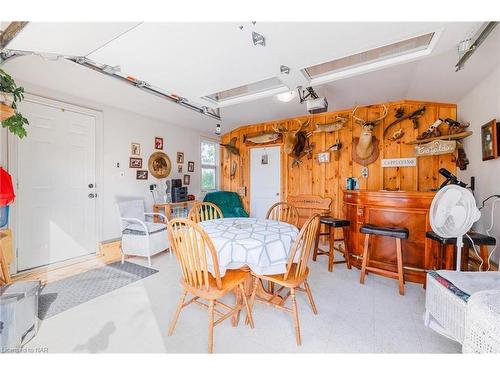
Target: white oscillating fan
453, 211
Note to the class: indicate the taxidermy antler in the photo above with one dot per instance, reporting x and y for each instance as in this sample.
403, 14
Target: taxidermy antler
366, 146
296, 142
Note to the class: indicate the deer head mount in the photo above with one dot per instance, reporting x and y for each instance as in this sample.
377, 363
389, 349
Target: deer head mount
296, 142
365, 148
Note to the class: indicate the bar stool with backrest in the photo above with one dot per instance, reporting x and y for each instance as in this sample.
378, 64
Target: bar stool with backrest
201, 276
204, 211
331, 224
295, 275
398, 234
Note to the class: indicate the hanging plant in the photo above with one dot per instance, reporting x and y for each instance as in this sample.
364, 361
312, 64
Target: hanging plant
10, 95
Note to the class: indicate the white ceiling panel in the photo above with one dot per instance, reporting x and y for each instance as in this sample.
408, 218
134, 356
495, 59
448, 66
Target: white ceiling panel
68, 38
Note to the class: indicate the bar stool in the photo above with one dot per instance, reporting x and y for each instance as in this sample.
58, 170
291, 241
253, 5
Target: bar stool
332, 223
398, 234
447, 245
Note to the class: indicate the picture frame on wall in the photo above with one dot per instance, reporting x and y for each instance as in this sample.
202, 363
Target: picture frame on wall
135, 149
179, 168
141, 175
490, 143
135, 163
158, 143
180, 158
190, 166
187, 179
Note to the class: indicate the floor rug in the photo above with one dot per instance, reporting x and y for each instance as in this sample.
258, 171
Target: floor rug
72, 291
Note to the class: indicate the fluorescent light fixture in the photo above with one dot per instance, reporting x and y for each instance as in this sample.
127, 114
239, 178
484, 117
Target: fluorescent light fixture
252, 91
286, 96
373, 59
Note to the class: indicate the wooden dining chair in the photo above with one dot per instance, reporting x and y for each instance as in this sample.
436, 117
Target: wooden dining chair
295, 275
193, 249
282, 211
204, 211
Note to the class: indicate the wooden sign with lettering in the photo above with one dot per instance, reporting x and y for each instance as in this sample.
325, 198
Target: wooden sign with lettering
437, 147
398, 162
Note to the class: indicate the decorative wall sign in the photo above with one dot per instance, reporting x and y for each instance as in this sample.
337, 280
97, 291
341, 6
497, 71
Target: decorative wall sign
490, 141
135, 163
158, 143
437, 147
399, 162
190, 166
141, 175
159, 164
323, 157
135, 149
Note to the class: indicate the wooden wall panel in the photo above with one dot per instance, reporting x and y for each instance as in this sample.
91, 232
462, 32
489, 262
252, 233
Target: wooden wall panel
328, 179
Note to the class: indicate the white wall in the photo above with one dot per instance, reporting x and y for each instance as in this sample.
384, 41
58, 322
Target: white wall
480, 105
120, 128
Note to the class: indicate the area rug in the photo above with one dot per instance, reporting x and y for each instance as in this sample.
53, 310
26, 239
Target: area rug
72, 291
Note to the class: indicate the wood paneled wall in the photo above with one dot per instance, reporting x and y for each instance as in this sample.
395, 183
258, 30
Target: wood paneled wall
328, 179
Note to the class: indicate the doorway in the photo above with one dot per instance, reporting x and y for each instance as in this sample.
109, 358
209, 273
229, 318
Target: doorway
56, 185
265, 179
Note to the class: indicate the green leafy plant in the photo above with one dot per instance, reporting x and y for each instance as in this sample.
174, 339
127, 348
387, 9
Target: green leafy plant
15, 124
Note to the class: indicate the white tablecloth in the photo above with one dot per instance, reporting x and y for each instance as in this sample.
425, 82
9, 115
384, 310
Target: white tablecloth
262, 245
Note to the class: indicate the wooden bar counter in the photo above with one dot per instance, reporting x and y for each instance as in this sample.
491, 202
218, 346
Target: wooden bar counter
409, 209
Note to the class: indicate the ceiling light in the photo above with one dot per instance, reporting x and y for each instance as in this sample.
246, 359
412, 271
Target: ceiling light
284, 69
218, 130
286, 96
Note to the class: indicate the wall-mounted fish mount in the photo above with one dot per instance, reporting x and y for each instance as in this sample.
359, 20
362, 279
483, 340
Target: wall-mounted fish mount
331, 126
261, 138
231, 146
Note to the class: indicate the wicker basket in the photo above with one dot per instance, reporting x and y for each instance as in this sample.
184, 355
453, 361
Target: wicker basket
446, 309
6, 112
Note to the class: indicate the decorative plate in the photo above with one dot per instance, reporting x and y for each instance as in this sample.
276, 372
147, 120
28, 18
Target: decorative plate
159, 165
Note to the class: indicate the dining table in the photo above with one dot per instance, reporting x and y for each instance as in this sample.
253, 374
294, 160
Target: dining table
263, 246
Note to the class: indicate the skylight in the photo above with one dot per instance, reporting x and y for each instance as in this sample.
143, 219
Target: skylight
408, 47
268, 86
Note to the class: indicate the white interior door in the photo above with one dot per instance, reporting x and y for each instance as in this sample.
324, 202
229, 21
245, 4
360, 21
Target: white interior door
56, 177
265, 179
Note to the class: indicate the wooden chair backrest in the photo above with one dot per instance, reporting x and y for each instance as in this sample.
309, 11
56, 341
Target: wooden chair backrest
308, 205
304, 244
204, 211
192, 246
282, 211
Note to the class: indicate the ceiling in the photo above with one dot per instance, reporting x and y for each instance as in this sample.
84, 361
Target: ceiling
197, 59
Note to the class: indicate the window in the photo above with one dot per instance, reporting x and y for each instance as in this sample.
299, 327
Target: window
209, 165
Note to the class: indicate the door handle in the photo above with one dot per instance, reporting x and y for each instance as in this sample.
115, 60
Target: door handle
92, 195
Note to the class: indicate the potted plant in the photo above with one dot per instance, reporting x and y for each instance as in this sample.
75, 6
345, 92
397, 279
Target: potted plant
10, 95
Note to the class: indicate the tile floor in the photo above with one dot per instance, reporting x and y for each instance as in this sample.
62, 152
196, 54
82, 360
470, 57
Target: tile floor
353, 318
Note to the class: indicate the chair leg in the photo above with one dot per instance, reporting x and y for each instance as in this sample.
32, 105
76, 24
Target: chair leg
211, 326
399, 258
295, 317
236, 316
347, 253
247, 306
331, 250
310, 296
177, 312
366, 255
316, 244
270, 286
483, 250
252, 296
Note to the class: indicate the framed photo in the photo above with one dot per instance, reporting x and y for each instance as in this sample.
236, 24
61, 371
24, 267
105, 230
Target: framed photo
179, 168
490, 142
187, 179
158, 143
141, 175
135, 163
190, 166
135, 149
180, 158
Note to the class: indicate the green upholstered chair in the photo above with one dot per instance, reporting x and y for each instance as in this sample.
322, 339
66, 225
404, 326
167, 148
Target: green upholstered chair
229, 202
